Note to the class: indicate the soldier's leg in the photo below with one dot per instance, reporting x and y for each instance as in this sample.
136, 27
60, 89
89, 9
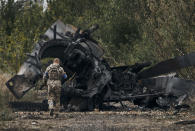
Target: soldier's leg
51, 97
57, 97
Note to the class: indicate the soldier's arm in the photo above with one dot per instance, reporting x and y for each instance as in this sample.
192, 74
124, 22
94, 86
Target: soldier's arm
64, 75
45, 75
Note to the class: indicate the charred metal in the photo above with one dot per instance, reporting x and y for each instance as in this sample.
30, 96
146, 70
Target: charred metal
93, 82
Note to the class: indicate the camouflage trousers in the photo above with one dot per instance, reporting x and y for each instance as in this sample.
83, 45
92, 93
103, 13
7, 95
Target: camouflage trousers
54, 90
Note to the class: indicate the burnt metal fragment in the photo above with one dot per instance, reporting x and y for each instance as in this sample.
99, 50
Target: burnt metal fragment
93, 82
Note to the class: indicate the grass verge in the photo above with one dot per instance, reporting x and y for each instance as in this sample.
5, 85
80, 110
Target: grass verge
6, 96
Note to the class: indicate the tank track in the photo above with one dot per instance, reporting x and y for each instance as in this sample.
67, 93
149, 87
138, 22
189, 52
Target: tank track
29, 106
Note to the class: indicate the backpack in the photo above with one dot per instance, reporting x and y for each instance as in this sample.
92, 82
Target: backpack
54, 73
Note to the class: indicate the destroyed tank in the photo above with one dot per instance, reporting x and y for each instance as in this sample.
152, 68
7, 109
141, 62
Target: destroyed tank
93, 81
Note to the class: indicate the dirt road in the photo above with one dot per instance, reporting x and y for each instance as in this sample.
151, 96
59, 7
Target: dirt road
101, 121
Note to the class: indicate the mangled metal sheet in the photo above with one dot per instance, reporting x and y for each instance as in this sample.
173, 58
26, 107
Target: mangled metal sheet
61, 30
171, 85
175, 90
95, 82
168, 66
28, 74
19, 85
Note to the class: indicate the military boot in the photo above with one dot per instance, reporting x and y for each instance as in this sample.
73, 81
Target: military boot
61, 109
51, 112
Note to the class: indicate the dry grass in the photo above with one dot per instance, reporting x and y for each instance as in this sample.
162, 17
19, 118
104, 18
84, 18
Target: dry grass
4, 92
6, 96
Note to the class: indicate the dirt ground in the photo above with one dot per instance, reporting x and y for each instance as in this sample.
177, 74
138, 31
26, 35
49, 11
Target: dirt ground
133, 119
101, 121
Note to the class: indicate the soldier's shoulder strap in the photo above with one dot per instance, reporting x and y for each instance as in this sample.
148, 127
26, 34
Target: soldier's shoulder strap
50, 67
57, 67
61, 69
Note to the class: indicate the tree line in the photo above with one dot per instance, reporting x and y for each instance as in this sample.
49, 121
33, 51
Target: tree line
130, 30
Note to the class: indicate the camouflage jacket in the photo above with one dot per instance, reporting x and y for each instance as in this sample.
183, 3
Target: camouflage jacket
53, 72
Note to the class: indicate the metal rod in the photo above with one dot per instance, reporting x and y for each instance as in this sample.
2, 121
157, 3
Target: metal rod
126, 98
54, 32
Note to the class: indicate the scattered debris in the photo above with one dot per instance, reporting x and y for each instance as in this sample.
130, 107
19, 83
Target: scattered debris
93, 82
185, 122
34, 123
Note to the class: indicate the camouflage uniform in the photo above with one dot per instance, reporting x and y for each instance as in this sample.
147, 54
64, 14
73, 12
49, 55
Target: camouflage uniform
53, 75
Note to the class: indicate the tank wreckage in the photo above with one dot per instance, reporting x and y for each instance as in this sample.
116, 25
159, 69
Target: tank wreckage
93, 82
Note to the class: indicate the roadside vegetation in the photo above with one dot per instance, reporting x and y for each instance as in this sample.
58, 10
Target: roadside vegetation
6, 96
130, 30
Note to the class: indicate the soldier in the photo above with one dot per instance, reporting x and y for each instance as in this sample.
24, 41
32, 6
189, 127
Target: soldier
52, 76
